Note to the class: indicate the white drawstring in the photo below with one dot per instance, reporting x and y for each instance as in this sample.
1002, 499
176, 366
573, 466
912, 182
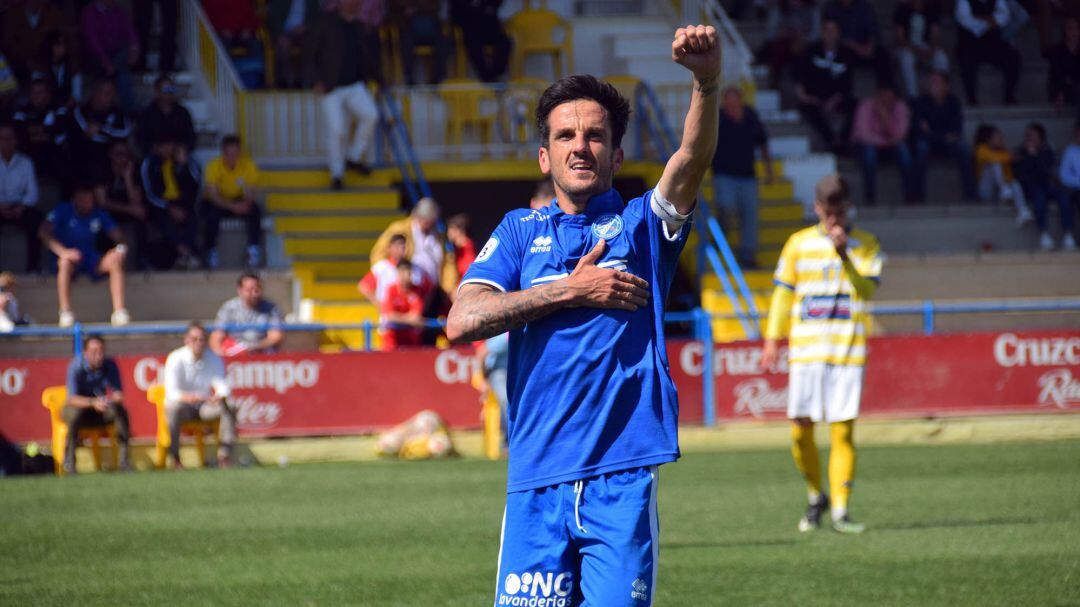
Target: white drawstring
579, 488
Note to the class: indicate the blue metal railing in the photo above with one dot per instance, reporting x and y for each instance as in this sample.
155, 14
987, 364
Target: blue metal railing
393, 128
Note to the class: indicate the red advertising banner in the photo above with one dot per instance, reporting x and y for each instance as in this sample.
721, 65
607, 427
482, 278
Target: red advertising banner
317, 394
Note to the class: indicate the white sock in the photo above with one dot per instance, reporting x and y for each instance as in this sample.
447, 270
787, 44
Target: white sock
838, 513
813, 496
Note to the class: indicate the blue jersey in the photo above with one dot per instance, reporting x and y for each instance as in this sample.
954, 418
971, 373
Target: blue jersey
79, 231
589, 388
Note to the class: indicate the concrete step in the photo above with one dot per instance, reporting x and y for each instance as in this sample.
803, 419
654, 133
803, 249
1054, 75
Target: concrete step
315, 179
358, 245
333, 223
382, 200
332, 269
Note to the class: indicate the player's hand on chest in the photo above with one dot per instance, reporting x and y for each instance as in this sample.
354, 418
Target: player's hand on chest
554, 248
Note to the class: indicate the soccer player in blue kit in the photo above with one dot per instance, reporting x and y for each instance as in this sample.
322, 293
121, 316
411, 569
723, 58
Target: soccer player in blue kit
580, 285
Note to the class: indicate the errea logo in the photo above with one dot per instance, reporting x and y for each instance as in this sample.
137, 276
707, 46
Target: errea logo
640, 590
541, 244
537, 589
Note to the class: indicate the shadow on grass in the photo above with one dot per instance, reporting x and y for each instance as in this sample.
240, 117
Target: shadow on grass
732, 544
990, 522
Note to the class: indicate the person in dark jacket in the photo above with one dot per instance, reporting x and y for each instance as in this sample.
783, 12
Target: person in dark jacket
170, 180
481, 29
938, 127
979, 40
1063, 84
165, 116
41, 125
1033, 167
92, 127
859, 34
823, 86
287, 22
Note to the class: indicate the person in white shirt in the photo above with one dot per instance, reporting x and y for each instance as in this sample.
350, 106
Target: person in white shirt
195, 388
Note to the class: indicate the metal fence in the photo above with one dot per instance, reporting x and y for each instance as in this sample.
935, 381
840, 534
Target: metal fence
216, 79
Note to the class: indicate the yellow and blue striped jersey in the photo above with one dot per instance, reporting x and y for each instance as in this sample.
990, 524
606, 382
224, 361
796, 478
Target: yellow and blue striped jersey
827, 311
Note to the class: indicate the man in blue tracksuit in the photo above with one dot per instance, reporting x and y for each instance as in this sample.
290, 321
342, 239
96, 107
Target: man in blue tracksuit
580, 284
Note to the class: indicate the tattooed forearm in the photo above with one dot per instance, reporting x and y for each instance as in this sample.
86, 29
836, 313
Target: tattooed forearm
707, 86
481, 311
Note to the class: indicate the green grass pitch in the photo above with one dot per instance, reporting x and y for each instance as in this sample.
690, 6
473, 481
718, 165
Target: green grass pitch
948, 525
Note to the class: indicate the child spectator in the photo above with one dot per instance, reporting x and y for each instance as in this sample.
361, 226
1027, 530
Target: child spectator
402, 320
993, 169
119, 193
171, 182
232, 190
918, 41
74, 232
1034, 168
19, 195
457, 232
11, 314
1069, 173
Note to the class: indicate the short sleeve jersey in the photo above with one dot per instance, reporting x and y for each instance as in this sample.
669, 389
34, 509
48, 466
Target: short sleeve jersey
589, 389
234, 312
84, 381
829, 321
79, 231
231, 182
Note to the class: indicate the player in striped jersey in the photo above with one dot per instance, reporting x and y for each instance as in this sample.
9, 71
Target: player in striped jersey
824, 278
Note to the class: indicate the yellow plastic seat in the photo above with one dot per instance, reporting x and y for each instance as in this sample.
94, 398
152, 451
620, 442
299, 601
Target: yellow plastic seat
538, 32
468, 104
197, 428
53, 398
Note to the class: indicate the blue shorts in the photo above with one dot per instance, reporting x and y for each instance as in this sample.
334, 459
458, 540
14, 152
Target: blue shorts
592, 542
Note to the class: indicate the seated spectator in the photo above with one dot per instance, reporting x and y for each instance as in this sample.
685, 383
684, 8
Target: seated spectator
542, 195
94, 398
9, 88
334, 68
426, 248
41, 127
1034, 169
790, 26
92, 127
384, 273
938, 127
57, 65
231, 189
734, 179
401, 316
111, 45
823, 86
979, 40
418, 24
26, 29
166, 38
1069, 173
19, 195
170, 180
164, 117
993, 169
119, 193
76, 232
247, 308
486, 42
918, 41
457, 232
236, 23
1063, 84
859, 34
287, 22
195, 389
881, 127
11, 314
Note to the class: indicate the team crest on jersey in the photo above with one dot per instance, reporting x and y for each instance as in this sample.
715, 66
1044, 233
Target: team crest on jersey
488, 250
607, 226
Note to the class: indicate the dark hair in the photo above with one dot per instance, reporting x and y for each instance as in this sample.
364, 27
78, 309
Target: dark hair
459, 221
8, 125
984, 133
162, 79
583, 87
245, 276
230, 139
195, 325
94, 337
944, 74
397, 238
1039, 129
82, 185
404, 264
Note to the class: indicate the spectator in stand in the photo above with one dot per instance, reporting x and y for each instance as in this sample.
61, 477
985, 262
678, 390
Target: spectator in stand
26, 30
119, 193
1069, 173
791, 26
75, 232
231, 189
426, 247
57, 65
92, 127
1034, 169
401, 315
41, 127
1063, 84
11, 314
19, 195
166, 42
170, 180
384, 273
418, 23
95, 397
979, 40
918, 41
247, 308
823, 86
334, 68
938, 127
236, 23
111, 45
542, 195
859, 34
482, 32
993, 169
9, 88
287, 22
881, 127
195, 389
165, 117
457, 232
734, 179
